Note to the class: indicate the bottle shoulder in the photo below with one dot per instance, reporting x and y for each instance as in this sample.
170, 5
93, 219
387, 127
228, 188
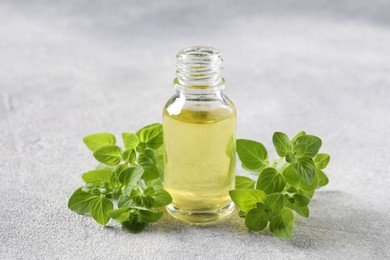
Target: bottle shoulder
199, 110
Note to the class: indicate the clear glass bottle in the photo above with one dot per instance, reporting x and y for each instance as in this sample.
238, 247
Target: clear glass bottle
199, 124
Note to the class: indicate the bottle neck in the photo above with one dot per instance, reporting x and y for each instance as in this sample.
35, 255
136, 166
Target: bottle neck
199, 71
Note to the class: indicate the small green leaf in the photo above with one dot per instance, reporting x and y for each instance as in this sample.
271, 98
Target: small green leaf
283, 225
150, 154
301, 133
246, 199
134, 224
99, 208
243, 182
150, 216
156, 184
308, 193
305, 168
301, 200
291, 176
301, 210
141, 147
130, 176
282, 143
299, 203
97, 176
115, 182
95, 141
321, 160
161, 198
150, 169
108, 154
322, 179
290, 157
311, 142
299, 149
312, 186
275, 201
252, 154
130, 140
270, 181
120, 215
79, 201
152, 135
126, 200
256, 219
242, 214
129, 156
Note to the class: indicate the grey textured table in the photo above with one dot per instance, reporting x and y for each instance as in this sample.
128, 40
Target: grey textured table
72, 68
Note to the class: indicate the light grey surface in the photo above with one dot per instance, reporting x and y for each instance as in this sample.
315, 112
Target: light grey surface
72, 68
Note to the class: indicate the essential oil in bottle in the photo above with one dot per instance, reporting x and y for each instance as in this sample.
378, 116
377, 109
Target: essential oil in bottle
199, 124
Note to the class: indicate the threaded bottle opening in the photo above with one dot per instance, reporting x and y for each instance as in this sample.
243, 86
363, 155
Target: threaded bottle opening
199, 67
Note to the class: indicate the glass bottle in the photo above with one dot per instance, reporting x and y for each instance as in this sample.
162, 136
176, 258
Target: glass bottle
199, 124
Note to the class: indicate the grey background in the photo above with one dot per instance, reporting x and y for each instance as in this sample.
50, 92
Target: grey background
71, 68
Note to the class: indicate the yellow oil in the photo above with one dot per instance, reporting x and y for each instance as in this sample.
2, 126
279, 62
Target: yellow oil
200, 162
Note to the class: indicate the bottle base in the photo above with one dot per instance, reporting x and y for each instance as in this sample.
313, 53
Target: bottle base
200, 217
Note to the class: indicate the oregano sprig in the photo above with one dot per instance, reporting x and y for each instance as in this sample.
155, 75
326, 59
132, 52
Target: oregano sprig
281, 188
128, 177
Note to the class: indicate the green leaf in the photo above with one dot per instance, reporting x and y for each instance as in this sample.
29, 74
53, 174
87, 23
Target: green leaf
130, 176
322, 179
130, 140
275, 201
120, 215
129, 156
134, 224
150, 169
305, 168
108, 154
152, 135
306, 193
95, 141
126, 200
99, 208
290, 157
252, 154
321, 160
282, 143
283, 225
299, 203
311, 142
150, 154
256, 219
79, 201
270, 181
301, 200
156, 184
301, 133
150, 216
97, 176
161, 198
246, 199
115, 182
312, 186
242, 213
291, 176
301, 210
299, 149
243, 182
141, 147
